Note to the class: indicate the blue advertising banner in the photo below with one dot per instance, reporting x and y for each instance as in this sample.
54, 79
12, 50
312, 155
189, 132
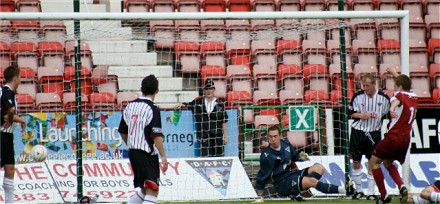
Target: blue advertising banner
101, 139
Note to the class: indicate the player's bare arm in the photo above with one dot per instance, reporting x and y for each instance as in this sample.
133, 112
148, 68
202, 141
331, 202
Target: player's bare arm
392, 71
394, 104
179, 106
9, 117
158, 141
363, 116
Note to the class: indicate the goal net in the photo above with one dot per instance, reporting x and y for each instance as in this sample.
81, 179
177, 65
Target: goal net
280, 68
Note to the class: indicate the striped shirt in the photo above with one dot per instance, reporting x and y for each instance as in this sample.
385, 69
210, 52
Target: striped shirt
8, 100
141, 122
379, 105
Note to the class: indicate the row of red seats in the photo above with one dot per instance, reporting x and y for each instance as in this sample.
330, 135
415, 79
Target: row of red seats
45, 54
22, 30
417, 7
20, 6
98, 88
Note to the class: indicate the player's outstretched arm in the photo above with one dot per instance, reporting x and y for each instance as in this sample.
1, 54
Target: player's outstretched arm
392, 71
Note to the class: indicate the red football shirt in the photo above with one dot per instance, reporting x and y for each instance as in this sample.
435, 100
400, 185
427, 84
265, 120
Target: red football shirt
406, 113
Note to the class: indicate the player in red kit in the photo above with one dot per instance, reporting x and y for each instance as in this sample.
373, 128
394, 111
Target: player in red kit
396, 142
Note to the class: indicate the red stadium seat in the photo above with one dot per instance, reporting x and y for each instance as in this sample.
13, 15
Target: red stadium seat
336, 95
7, 6
124, 97
386, 79
434, 50
264, 5
111, 86
27, 102
218, 75
415, 8
69, 102
334, 53
85, 51
137, 5
51, 54
314, 5
362, 5
297, 139
28, 5
332, 5
53, 31
436, 95
188, 5
388, 5
264, 53
6, 31
28, 89
213, 53
266, 98
434, 72
163, 5
433, 25
389, 51
214, 30
421, 86
264, 121
239, 5
5, 55
432, 7
418, 54
214, 5
289, 52
315, 52
25, 54
240, 78
102, 101
316, 96
26, 30
317, 76
27, 75
48, 102
187, 55
241, 98
265, 77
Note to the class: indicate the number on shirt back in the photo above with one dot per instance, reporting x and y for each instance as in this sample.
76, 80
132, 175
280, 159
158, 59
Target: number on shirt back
134, 119
412, 110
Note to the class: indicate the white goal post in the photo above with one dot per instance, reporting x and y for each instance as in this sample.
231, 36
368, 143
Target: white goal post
402, 15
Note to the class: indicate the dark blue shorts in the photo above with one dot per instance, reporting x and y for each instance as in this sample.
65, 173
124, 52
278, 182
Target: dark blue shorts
291, 185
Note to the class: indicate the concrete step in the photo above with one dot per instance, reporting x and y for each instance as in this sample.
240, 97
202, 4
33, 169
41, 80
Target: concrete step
166, 98
134, 84
125, 59
118, 46
139, 71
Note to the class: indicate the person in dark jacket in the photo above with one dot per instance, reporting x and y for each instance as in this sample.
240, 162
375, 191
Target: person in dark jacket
210, 117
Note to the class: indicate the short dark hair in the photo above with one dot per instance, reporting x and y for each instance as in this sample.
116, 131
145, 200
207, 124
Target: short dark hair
274, 127
10, 72
404, 81
150, 84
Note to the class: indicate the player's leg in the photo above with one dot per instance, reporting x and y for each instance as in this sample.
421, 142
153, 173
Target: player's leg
356, 155
394, 173
376, 137
151, 184
316, 171
204, 147
379, 178
309, 182
8, 162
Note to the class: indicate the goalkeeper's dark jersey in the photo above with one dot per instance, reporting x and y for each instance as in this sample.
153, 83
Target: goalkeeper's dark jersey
276, 164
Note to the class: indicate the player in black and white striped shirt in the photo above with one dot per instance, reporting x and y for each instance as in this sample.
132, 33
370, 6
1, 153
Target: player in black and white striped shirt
141, 129
368, 108
8, 119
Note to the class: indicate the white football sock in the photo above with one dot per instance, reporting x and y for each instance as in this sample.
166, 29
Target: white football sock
435, 197
138, 197
8, 186
357, 178
419, 200
341, 190
148, 199
371, 184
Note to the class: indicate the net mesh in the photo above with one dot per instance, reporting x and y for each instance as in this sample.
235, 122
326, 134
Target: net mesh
259, 68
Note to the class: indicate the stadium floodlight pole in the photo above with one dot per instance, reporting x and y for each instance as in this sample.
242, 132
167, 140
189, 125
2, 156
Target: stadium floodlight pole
344, 107
78, 110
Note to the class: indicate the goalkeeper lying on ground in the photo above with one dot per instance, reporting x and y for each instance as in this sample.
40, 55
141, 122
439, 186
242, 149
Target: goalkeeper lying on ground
275, 164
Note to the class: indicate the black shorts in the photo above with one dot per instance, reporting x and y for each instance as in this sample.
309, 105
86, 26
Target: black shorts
363, 144
7, 148
145, 168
